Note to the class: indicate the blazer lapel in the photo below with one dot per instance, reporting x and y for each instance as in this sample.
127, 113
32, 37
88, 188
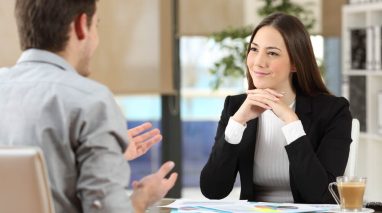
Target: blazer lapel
246, 159
303, 110
250, 135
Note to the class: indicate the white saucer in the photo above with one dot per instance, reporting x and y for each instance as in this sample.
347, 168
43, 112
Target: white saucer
364, 210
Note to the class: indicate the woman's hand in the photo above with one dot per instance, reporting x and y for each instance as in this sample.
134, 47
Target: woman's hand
256, 103
259, 100
283, 111
140, 141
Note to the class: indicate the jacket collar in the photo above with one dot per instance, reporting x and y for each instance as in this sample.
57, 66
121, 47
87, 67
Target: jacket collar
43, 56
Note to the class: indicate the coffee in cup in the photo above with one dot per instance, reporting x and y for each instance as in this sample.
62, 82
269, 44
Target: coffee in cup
351, 191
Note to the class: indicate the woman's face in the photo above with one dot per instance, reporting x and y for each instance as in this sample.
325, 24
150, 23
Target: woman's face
268, 61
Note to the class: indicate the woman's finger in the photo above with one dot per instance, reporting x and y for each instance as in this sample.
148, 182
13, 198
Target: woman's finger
259, 104
275, 93
263, 96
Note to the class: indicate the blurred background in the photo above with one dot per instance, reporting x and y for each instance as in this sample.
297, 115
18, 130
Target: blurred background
173, 62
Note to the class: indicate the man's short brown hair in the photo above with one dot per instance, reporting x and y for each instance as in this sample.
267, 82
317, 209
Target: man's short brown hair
44, 24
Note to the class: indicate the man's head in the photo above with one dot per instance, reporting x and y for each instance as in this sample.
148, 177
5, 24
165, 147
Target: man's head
44, 24
59, 26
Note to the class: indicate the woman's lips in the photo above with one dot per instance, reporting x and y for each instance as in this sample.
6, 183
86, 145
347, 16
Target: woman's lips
261, 74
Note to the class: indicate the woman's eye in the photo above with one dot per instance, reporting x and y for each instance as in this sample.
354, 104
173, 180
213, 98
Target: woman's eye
253, 49
273, 54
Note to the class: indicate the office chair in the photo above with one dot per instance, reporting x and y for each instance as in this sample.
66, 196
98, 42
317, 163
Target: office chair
352, 160
24, 184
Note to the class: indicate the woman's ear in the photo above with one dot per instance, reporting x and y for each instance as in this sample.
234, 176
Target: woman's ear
81, 26
293, 68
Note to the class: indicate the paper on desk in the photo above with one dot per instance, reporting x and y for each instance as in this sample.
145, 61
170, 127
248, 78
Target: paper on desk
186, 205
240, 206
326, 207
288, 207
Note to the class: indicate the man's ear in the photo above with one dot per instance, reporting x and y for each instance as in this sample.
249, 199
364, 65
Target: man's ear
81, 26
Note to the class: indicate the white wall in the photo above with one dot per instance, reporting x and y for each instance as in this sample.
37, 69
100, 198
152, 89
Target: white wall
369, 165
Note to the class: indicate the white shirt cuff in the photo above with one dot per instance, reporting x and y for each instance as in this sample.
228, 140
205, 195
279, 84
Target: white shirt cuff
234, 131
293, 131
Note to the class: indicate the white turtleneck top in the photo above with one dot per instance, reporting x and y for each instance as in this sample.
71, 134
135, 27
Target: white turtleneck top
271, 163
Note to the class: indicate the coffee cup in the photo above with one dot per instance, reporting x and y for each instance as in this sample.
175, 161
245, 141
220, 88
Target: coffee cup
351, 191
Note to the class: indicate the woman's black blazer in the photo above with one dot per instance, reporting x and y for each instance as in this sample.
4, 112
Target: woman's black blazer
315, 159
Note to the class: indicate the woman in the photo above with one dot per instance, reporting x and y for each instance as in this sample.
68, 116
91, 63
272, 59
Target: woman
288, 137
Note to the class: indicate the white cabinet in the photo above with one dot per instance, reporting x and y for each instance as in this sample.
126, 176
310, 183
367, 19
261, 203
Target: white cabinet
362, 62
362, 79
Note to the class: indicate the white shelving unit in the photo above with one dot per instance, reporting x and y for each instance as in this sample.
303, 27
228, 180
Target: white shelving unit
366, 16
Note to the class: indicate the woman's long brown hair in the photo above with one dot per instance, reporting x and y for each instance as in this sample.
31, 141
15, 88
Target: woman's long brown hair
307, 79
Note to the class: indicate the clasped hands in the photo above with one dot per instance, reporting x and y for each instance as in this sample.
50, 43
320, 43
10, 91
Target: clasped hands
259, 100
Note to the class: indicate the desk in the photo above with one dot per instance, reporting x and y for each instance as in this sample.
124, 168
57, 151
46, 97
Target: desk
166, 201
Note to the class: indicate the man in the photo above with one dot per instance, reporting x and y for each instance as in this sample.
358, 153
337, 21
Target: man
46, 101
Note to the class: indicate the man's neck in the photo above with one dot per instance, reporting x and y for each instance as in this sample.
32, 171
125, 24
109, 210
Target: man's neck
69, 57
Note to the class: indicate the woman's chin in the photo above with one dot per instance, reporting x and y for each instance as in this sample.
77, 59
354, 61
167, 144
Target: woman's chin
263, 86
